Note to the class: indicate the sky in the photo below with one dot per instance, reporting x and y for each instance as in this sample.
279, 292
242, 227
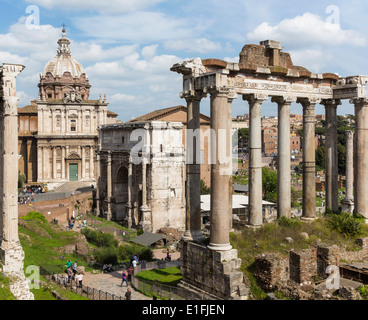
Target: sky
128, 46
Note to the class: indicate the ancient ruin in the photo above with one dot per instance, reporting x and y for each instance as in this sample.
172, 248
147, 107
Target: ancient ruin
141, 174
11, 252
264, 72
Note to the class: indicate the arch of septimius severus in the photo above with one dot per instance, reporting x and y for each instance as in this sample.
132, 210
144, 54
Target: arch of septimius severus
264, 72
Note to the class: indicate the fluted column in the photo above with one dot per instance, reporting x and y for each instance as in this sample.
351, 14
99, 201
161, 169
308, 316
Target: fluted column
331, 168
309, 158
283, 157
91, 165
98, 182
146, 217
221, 168
255, 159
193, 170
83, 162
361, 157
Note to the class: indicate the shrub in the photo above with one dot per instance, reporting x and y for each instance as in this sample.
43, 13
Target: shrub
126, 250
363, 290
345, 224
140, 231
34, 215
288, 222
106, 255
100, 239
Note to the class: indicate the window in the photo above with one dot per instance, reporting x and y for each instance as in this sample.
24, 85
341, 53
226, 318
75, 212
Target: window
122, 140
73, 125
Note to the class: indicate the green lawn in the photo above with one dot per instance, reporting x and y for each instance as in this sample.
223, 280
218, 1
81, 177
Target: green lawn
169, 276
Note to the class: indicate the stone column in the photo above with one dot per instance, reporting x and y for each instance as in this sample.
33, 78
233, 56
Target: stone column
53, 162
39, 163
46, 164
332, 192
361, 156
283, 157
29, 161
63, 162
91, 165
309, 159
83, 162
348, 202
98, 179
146, 217
193, 170
109, 186
129, 206
255, 159
221, 169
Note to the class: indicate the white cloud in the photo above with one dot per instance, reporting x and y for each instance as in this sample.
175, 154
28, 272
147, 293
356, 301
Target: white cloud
313, 59
307, 30
101, 6
200, 45
136, 27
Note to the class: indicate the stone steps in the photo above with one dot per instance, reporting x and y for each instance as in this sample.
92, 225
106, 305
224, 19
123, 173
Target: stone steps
71, 186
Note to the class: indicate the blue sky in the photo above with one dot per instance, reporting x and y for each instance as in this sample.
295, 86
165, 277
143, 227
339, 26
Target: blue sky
127, 47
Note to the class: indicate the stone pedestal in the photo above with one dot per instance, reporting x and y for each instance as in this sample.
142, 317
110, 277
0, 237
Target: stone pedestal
211, 274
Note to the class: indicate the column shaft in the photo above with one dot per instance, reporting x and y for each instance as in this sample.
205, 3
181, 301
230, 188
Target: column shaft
193, 171
109, 186
309, 160
220, 171
331, 168
283, 159
255, 161
361, 157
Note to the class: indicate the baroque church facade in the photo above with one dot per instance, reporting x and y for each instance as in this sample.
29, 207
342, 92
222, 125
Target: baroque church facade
57, 133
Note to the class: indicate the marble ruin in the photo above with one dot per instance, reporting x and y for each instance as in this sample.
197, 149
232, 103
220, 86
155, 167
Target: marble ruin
142, 184
11, 252
264, 71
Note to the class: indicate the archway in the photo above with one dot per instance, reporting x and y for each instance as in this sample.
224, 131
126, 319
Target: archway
121, 193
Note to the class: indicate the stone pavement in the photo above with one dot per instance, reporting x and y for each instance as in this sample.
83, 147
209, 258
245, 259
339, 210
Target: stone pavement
110, 282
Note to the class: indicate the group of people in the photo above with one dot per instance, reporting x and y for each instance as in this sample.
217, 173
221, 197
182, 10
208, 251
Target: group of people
126, 278
25, 199
71, 270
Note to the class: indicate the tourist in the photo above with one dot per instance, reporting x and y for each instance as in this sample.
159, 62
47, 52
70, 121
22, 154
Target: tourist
124, 278
80, 279
134, 263
69, 263
128, 294
74, 268
69, 271
130, 271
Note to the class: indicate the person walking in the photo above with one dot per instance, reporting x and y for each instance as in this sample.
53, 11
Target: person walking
69, 272
130, 274
124, 278
74, 268
80, 279
128, 294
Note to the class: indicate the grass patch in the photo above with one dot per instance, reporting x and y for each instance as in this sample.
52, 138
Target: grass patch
169, 276
5, 293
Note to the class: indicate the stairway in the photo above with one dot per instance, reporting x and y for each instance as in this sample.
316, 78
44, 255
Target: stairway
71, 186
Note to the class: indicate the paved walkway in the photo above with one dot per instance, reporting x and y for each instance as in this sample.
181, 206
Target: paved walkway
110, 282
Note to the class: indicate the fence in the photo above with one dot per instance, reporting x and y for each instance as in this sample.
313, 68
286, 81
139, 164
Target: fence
156, 289
57, 274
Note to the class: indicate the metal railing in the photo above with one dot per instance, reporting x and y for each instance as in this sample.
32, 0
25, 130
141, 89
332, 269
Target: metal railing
57, 274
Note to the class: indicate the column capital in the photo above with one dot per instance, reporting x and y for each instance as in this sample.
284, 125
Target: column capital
331, 103
308, 102
281, 100
255, 97
226, 91
359, 101
349, 134
193, 95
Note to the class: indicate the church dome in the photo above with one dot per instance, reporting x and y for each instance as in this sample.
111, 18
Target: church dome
63, 61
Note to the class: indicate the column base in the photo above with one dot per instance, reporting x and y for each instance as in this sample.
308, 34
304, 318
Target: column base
251, 227
196, 236
304, 219
219, 247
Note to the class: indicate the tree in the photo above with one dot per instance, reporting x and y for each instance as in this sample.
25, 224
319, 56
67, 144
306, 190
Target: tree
21, 179
320, 157
204, 188
269, 184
